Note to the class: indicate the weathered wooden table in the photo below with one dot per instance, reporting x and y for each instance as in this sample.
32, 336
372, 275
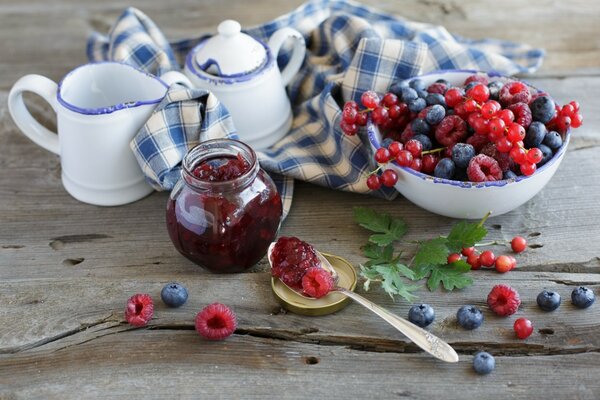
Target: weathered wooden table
67, 268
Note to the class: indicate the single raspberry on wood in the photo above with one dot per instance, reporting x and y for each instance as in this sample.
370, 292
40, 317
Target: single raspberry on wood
139, 309
216, 322
503, 300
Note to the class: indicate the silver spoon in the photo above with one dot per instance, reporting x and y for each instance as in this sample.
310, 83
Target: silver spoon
422, 338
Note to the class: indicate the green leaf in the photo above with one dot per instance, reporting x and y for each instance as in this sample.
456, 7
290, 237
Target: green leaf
386, 228
465, 234
378, 255
450, 276
432, 252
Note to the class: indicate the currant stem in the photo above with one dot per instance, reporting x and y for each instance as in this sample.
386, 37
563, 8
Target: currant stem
433, 151
379, 168
492, 243
484, 219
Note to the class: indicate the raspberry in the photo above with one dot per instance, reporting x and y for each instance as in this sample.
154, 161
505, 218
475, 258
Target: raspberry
317, 282
291, 258
503, 300
478, 142
437, 87
522, 114
514, 92
476, 78
451, 130
139, 309
502, 158
215, 322
483, 168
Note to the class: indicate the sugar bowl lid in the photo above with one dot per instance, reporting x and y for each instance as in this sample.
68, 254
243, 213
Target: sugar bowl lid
230, 52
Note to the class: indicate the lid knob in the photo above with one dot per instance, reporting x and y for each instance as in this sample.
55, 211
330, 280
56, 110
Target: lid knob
229, 28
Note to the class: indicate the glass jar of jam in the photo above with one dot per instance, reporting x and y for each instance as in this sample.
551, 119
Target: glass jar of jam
225, 211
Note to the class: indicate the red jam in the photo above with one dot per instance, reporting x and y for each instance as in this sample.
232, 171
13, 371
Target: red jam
225, 211
291, 258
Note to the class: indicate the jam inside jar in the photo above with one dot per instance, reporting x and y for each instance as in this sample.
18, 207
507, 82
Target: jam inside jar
225, 211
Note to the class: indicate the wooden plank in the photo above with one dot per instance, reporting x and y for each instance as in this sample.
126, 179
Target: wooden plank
178, 363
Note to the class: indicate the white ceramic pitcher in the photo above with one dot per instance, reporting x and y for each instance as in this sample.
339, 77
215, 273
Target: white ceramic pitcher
243, 73
99, 108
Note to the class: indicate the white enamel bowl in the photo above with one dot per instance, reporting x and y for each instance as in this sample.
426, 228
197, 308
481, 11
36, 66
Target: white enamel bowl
468, 200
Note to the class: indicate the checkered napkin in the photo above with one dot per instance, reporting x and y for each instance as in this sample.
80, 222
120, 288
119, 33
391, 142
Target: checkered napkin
350, 49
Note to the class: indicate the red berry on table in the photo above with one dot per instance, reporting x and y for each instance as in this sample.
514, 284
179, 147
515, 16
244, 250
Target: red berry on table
373, 182
467, 251
523, 328
416, 164
216, 322
139, 309
404, 158
369, 99
474, 260
361, 119
528, 168
480, 93
382, 155
503, 264
513, 261
518, 244
534, 155
429, 161
454, 257
389, 178
414, 147
487, 258
395, 148
348, 129
503, 300
389, 99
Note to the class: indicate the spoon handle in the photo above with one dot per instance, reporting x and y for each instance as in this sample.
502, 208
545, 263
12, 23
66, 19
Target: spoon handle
422, 338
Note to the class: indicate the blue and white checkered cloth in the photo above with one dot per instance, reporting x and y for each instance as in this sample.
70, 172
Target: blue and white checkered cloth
350, 49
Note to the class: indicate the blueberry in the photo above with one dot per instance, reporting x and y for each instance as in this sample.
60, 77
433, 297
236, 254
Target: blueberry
546, 152
421, 315
535, 134
460, 174
542, 109
386, 142
582, 297
548, 301
417, 105
420, 127
435, 98
444, 169
408, 94
509, 175
445, 82
483, 363
417, 84
422, 93
553, 140
397, 87
174, 294
494, 88
462, 154
469, 317
471, 84
435, 115
425, 141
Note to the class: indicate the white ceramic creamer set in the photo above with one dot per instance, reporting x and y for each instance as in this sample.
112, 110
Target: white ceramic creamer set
101, 106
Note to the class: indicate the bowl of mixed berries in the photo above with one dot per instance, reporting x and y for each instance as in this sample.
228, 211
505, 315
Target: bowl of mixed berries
463, 143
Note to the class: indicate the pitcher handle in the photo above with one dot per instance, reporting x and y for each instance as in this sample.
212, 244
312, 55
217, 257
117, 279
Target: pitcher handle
173, 77
31, 128
298, 52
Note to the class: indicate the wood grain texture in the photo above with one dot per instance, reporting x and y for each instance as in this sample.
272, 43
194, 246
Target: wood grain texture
67, 268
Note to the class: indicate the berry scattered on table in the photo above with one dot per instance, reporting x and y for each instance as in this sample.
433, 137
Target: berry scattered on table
421, 315
453, 257
503, 300
216, 322
487, 258
174, 294
469, 317
503, 263
483, 363
139, 309
582, 297
518, 244
548, 301
317, 282
474, 260
523, 328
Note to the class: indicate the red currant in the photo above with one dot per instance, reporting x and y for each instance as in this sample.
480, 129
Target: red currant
507, 116
481, 126
488, 110
575, 105
429, 161
474, 260
563, 123
518, 154
567, 110
453, 96
350, 112
416, 164
534, 155
503, 145
479, 93
394, 111
404, 158
454, 257
497, 126
415, 147
373, 182
487, 258
528, 168
380, 115
389, 99
470, 105
513, 262
503, 264
523, 328
515, 132
348, 129
395, 148
369, 99
518, 244
576, 120
467, 251
389, 178
361, 118
382, 155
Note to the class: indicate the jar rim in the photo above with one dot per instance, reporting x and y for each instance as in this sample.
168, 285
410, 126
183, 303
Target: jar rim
215, 148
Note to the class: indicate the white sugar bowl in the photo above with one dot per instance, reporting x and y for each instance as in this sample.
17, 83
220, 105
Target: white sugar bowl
243, 73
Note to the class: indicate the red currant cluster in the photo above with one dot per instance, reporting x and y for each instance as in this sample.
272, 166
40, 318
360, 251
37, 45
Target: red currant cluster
484, 131
488, 259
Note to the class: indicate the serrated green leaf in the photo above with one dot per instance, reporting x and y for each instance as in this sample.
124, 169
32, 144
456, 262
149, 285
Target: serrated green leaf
387, 228
432, 252
369, 273
450, 276
465, 234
